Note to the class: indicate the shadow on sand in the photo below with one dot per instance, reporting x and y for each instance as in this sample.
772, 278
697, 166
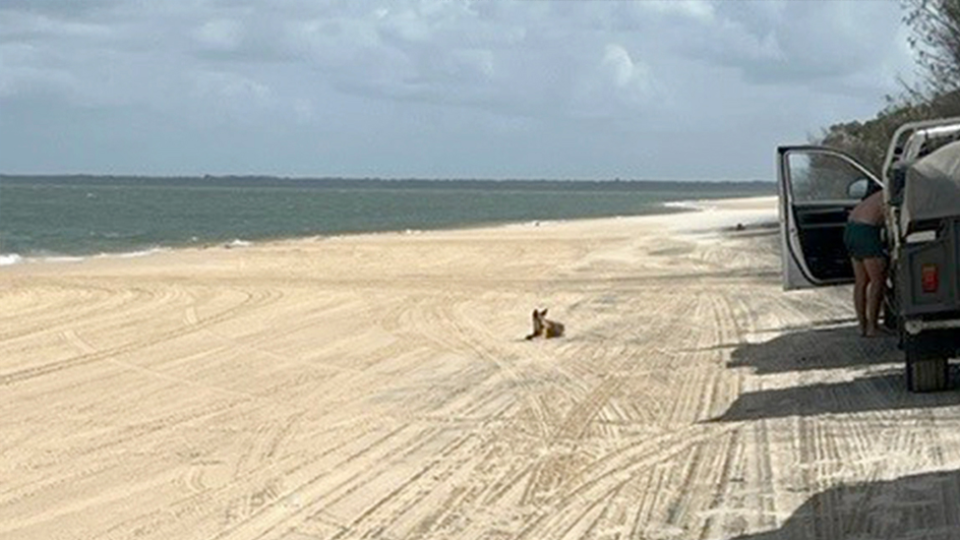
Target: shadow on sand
919, 506
806, 349
883, 392
870, 373
864, 375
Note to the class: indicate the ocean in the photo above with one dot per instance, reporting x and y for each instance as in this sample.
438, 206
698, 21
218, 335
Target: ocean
54, 217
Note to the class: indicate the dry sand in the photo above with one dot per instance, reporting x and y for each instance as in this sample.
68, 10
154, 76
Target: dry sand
378, 386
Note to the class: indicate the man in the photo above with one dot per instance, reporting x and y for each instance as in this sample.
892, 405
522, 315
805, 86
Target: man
868, 254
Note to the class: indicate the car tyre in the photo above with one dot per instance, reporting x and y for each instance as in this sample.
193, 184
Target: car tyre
926, 375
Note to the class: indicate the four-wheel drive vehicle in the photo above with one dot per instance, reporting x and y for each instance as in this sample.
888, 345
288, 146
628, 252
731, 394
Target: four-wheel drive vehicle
921, 182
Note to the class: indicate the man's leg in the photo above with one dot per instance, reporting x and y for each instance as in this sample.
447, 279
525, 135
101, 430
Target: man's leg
876, 269
860, 294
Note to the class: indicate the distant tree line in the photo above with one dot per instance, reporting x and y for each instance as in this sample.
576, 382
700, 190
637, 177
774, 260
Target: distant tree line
935, 40
335, 183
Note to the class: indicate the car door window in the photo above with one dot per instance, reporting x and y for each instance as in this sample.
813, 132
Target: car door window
823, 177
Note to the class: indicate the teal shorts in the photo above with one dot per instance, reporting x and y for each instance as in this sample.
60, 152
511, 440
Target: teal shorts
863, 241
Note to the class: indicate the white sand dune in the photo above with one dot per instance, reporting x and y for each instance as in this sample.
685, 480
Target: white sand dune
379, 386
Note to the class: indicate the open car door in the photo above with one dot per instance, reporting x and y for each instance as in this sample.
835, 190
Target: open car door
819, 186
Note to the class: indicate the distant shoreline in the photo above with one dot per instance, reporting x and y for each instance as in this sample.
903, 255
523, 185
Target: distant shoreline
328, 182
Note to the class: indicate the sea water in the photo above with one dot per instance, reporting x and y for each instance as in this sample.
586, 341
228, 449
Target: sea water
72, 217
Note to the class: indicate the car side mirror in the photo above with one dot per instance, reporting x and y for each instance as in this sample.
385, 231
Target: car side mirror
858, 188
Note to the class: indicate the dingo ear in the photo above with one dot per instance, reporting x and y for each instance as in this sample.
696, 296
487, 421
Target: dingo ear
544, 312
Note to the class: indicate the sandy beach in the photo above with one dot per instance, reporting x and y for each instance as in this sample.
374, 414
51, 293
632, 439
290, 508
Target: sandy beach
379, 386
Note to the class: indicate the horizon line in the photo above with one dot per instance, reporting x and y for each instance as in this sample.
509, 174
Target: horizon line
253, 176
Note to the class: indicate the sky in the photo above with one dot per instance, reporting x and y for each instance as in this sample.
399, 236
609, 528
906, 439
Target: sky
564, 89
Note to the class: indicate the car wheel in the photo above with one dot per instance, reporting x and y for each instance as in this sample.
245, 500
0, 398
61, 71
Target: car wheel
926, 375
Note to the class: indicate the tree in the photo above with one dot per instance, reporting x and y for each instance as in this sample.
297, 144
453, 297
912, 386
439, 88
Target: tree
868, 141
935, 39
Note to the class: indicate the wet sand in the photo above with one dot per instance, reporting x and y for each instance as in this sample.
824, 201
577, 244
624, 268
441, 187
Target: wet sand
379, 386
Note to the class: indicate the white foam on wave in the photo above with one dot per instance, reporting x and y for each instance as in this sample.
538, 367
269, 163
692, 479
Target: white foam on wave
9, 258
134, 254
690, 205
238, 243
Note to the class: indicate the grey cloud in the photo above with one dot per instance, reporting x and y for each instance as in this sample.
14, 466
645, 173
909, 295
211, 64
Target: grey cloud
470, 79
60, 8
812, 43
447, 52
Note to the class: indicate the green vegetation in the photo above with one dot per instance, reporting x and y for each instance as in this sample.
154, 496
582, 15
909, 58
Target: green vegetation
935, 40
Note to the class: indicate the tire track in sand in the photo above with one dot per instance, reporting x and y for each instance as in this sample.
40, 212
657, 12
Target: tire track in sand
251, 301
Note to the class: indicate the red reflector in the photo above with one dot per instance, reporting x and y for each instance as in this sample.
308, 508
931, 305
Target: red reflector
931, 278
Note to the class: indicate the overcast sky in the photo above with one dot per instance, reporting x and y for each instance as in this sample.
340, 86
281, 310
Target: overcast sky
587, 89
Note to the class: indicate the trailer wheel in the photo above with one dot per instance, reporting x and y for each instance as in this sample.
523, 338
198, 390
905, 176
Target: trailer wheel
926, 375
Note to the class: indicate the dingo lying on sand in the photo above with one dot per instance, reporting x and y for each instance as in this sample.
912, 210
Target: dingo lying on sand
544, 328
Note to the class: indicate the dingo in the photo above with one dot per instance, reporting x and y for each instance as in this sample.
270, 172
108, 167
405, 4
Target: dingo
544, 328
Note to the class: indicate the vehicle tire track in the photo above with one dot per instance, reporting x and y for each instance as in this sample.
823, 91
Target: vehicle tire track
251, 301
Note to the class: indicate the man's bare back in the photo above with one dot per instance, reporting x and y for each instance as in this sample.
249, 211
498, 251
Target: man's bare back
870, 210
